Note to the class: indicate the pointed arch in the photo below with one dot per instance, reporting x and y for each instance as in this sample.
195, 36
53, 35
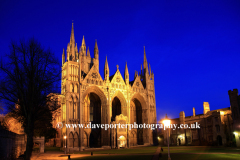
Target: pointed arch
139, 114
141, 99
133, 138
70, 140
76, 140
76, 88
85, 139
96, 90
123, 101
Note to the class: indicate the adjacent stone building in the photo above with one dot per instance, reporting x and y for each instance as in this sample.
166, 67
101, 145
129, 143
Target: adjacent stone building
217, 127
87, 97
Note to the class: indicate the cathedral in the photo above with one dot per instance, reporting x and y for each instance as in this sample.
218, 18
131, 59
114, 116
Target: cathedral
86, 98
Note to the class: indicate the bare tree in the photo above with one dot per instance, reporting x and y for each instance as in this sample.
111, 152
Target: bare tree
28, 74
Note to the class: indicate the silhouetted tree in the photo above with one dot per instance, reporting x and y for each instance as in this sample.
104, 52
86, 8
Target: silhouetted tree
28, 74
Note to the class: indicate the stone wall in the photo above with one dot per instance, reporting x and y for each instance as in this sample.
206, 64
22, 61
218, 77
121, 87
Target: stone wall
12, 145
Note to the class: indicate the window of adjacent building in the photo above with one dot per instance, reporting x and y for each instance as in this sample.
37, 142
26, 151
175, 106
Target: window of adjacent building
216, 119
209, 129
209, 120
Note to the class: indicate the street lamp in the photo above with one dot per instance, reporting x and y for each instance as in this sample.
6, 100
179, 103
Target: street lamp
166, 123
65, 151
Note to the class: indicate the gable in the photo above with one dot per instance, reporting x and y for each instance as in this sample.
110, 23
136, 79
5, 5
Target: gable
137, 83
117, 78
93, 74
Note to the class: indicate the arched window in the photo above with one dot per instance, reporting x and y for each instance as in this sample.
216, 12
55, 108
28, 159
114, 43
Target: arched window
73, 108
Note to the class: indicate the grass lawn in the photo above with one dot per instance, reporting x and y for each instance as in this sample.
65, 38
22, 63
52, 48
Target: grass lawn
201, 149
46, 149
116, 157
201, 157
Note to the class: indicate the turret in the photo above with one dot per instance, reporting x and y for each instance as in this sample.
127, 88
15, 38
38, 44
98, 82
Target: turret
96, 52
126, 75
106, 71
206, 107
234, 103
194, 113
96, 60
136, 74
88, 53
83, 47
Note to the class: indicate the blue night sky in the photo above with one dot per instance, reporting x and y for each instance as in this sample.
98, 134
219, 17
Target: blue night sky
193, 46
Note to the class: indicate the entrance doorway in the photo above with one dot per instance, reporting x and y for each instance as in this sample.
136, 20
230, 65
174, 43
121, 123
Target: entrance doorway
121, 142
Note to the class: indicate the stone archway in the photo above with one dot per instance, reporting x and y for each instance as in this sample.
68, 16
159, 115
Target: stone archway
122, 142
70, 140
116, 108
76, 140
138, 114
97, 92
133, 139
95, 111
85, 139
119, 96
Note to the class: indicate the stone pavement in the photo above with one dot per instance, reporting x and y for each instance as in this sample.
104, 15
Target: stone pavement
54, 156
156, 154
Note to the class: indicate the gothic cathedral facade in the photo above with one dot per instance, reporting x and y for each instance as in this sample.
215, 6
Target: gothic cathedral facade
87, 97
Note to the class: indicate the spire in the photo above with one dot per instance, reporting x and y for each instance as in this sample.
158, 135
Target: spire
136, 74
106, 71
150, 69
141, 69
96, 50
71, 47
63, 57
145, 59
83, 41
126, 69
126, 74
88, 53
83, 47
145, 64
72, 38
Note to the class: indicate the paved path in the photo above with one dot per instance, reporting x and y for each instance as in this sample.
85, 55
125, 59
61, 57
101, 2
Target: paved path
53, 156
156, 154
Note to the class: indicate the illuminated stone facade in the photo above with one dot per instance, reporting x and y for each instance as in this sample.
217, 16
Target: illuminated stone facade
217, 127
87, 97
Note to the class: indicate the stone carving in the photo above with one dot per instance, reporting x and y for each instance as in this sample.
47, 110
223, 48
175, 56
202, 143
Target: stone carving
94, 75
118, 79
